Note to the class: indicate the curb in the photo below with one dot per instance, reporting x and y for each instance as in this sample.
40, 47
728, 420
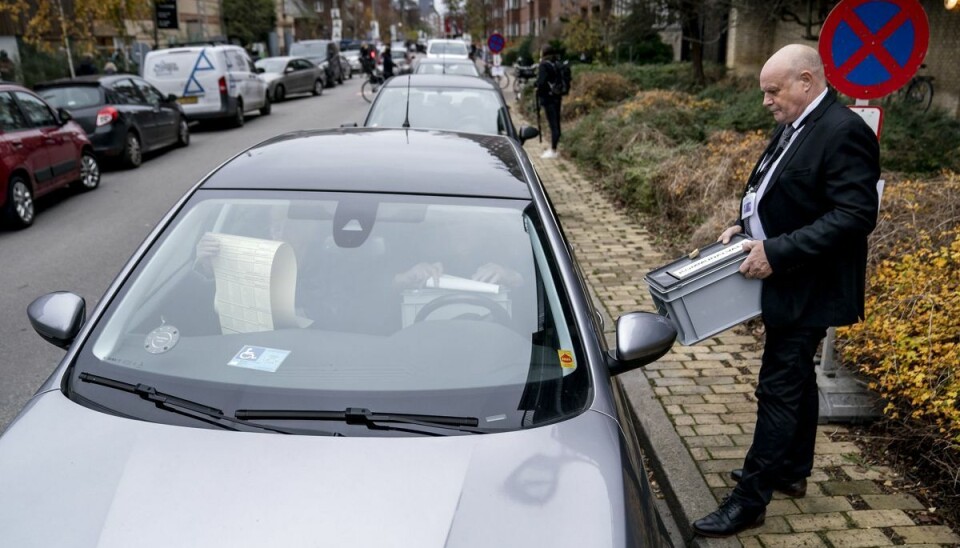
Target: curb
687, 495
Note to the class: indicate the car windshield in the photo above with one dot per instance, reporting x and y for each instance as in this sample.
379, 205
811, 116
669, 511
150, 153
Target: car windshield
401, 304
72, 97
272, 65
464, 69
453, 109
309, 49
448, 48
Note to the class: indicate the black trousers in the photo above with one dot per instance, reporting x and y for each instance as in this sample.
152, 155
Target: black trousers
551, 108
787, 411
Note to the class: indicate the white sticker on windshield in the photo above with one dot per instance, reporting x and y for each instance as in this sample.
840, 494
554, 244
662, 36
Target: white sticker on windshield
259, 358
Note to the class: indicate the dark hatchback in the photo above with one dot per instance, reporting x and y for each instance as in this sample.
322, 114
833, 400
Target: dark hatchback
312, 371
124, 115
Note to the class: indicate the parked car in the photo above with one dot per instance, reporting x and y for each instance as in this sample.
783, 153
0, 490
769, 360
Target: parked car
325, 54
447, 102
287, 75
327, 384
401, 61
41, 150
353, 58
124, 116
210, 82
447, 49
446, 66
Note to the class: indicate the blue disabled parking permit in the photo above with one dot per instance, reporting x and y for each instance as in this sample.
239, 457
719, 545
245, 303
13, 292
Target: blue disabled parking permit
259, 358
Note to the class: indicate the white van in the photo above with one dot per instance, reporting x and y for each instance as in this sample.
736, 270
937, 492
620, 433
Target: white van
447, 49
210, 82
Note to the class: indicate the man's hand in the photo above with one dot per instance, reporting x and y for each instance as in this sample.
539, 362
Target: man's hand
755, 265
492, 273
728, 233
207, 248
418, 275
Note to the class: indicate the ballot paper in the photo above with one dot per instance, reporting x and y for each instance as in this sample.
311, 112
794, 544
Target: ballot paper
255, 284
462, 284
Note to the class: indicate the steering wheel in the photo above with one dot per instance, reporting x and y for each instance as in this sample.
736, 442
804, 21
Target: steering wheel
497, 312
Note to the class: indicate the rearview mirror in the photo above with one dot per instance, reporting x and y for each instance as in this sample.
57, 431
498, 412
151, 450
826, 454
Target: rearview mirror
57, 317
64, 115
527, 133
642, 338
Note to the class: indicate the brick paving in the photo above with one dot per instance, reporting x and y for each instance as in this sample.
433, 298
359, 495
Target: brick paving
707, 391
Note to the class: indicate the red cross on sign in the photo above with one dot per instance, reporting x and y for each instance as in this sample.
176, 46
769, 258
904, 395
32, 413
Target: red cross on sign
873, 47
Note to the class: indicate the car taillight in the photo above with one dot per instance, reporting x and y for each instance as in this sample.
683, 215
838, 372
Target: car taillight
107, 115
223, 85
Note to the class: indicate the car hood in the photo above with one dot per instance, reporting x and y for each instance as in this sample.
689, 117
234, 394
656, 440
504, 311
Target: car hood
74, 477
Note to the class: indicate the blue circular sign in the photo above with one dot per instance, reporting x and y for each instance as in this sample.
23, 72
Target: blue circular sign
496, 42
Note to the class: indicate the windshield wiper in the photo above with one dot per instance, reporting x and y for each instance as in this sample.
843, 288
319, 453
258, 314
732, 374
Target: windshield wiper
363, 416
176, 404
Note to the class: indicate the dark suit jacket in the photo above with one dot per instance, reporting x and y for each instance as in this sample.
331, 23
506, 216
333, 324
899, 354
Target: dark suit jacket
817, 210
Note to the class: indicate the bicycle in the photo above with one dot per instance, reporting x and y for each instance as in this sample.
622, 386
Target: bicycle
918, 91
521, 77
370, 88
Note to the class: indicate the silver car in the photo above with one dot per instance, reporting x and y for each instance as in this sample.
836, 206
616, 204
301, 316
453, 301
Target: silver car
290, 75
375, 357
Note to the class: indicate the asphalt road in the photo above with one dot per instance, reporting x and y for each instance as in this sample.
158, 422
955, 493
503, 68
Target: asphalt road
79, 242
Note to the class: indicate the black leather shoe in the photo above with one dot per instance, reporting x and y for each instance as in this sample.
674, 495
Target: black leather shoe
729, 519
796, 489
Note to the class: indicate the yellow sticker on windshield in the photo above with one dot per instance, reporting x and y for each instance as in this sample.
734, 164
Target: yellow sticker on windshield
566, 359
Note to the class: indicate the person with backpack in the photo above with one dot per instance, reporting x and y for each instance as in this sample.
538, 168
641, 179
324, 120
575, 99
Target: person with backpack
553, 82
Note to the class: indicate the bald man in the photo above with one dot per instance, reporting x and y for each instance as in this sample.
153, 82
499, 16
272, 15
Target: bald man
808, 207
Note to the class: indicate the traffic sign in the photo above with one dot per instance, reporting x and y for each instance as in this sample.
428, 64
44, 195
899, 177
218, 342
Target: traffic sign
496, 42
873, 47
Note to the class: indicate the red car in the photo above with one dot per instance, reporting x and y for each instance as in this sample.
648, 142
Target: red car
41, 150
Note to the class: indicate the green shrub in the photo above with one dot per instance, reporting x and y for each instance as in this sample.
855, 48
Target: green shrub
523, 50
39, 66
916, 142
740, 104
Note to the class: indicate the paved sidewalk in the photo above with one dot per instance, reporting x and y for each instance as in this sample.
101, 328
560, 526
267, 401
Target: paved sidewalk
700, 399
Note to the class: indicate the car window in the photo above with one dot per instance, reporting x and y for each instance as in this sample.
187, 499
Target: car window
464, 69
331, 291
11, 119
448, 48
37, 112
74, 97
303, 64
153, 96
468, 110
126, 93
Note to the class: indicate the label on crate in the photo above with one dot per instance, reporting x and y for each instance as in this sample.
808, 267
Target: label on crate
706, 262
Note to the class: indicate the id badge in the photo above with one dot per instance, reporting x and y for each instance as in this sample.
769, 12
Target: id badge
747, 205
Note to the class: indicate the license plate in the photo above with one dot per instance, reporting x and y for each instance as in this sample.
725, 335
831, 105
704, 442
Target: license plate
191, 100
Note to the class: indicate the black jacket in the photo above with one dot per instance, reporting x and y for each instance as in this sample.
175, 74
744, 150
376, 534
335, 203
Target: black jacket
817, 210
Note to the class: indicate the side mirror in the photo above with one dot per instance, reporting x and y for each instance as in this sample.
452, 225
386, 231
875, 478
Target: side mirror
57, 317
287, 70
642, 338
171, 98
261, 70
527, 133
64, 116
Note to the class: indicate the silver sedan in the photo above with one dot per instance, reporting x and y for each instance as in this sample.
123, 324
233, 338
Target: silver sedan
289, 75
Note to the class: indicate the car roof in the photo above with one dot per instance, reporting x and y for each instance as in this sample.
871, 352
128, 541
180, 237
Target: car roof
91, 80
407, 161
440, 81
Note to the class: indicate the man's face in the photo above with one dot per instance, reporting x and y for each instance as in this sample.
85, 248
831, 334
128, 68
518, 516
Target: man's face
785, 94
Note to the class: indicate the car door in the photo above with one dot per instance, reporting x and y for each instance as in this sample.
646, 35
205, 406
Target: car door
166, 115
135, 108
21, 144
50, 153
305, 74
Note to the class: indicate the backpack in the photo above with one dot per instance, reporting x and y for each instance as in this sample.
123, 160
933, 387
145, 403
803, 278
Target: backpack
560, 79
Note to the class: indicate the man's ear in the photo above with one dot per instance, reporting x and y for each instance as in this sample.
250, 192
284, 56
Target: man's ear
806, 78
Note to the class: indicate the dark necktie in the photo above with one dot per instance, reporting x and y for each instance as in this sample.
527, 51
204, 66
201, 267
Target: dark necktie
781, 145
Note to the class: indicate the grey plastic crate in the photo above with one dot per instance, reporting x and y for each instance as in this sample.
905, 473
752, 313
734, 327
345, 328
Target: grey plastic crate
707, 294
